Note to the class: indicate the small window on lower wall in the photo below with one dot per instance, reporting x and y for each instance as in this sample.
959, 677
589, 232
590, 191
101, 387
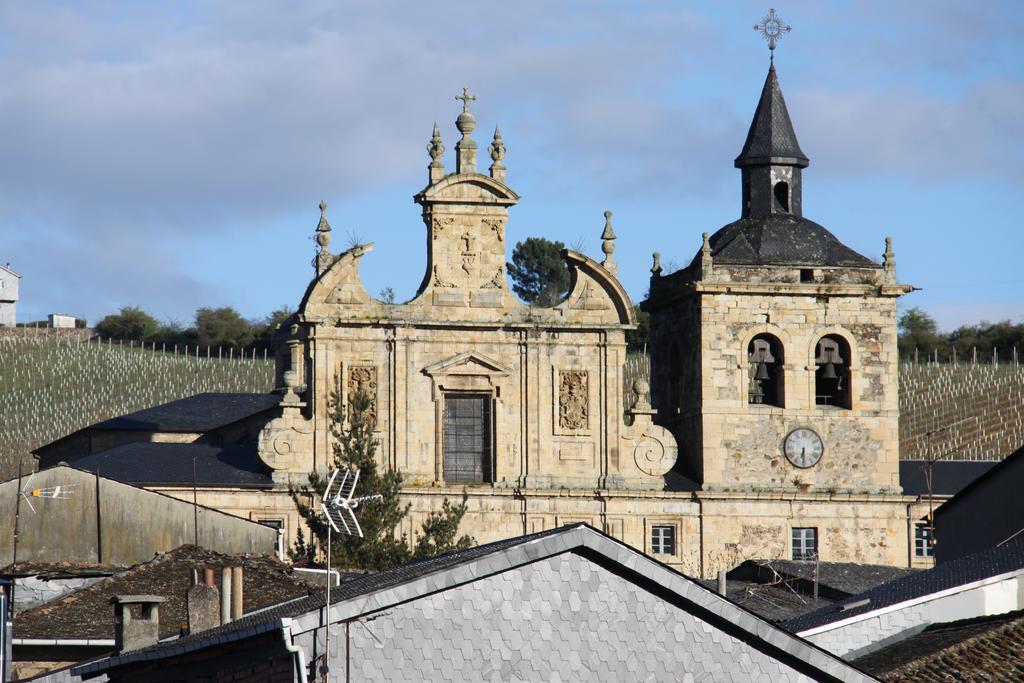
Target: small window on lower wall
277, 524
663, 539
805, 543
924, 545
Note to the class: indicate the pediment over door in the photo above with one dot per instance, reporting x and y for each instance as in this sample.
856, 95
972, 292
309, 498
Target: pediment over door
469, 371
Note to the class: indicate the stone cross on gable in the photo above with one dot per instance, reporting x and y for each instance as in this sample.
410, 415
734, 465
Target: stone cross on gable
466, 99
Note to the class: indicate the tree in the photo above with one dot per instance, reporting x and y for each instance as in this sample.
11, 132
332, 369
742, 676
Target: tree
270, 324
130, 322
381, 546
636, 340
223, 327
918, 332
539, 275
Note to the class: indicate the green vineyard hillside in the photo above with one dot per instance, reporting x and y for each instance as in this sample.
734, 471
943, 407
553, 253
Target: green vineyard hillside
952, 412
52, 386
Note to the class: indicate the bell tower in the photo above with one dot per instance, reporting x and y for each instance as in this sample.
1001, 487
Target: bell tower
773, 354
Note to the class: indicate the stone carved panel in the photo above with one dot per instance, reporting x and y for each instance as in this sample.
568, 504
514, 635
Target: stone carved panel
573, 400
363, 380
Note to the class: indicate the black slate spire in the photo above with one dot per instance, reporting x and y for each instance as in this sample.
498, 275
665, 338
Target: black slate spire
771, 138
771, 161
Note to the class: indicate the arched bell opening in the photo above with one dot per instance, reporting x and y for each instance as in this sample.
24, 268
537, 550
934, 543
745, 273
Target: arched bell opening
781, 191
766, 371
832, 373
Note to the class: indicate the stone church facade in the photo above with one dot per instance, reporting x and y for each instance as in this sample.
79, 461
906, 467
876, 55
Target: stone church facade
773, 361
770, 429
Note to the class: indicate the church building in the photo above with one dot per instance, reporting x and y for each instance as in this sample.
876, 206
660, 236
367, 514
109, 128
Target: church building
769, 430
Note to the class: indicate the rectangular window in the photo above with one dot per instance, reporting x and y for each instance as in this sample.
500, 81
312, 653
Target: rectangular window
663, 540
467, 438
279, 526
923, 543
805, 543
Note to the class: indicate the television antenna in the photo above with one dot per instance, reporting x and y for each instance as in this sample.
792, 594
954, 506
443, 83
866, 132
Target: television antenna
339, 503
59, 492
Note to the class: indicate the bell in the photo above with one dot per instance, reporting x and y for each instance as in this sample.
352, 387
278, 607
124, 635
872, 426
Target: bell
829, 371
762, 371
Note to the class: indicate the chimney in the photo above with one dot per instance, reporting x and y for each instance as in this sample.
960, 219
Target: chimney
225, 595
136, 621
203, 603
236, 593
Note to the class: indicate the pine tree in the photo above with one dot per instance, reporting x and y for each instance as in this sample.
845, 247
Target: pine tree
381, 546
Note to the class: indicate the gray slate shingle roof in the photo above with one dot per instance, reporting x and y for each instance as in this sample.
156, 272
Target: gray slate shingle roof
154, 464
949, 476
199, 413
1006, 558
781, 239
771, 136
836, 580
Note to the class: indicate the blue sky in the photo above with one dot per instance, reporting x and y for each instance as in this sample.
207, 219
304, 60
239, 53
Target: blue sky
172, 155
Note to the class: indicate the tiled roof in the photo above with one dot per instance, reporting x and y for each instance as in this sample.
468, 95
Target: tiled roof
836, 580
1006, 558
145, 463
949, 477
87, 613
199, 413
984, 649
60, 570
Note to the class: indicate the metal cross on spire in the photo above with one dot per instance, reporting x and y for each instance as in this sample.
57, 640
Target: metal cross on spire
771, 29
466, 99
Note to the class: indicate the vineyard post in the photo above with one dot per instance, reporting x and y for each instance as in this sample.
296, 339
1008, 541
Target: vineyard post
974, 352
915, 355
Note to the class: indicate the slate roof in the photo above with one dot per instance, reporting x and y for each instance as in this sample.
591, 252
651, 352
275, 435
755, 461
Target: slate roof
87, 613
198, 413
1006, 558
771, 138
949, 477
430, 575
781, 239
982, 648
836, 580
776, 603
154, 464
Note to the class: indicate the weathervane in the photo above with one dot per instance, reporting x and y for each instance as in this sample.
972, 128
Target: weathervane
771, 29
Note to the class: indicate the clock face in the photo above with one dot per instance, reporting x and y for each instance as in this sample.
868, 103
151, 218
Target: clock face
803, 447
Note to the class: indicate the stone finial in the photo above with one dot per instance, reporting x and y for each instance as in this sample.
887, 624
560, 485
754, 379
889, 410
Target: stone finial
323, 239
889, 260
656, 265
706, 262
465, 161
497, 150
608, 243
642, 391
435, 148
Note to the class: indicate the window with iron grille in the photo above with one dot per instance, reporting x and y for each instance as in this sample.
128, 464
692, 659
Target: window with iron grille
805, 543
923, 542
467, 438
663, 540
